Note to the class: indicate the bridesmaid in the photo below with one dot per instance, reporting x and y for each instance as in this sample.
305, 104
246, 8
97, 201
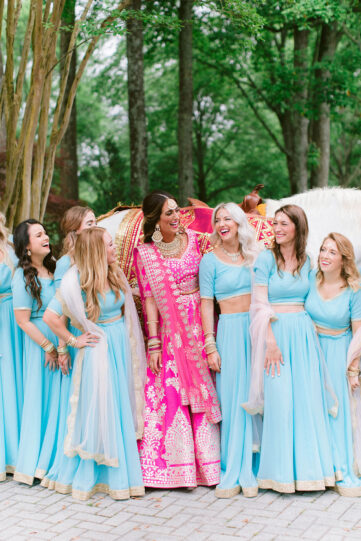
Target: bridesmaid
33, 288
225, 274
98, 452
334, 304
75, 220
11, 387
296, 450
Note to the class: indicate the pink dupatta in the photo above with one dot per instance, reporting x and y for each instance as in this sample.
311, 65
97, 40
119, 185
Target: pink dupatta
196, 386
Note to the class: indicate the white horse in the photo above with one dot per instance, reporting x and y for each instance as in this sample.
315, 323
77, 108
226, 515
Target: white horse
327, 209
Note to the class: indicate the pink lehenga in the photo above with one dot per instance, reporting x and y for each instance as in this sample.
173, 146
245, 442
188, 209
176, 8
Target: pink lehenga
180, 445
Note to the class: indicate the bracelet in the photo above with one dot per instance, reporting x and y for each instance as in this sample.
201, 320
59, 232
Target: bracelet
211, 349
62, 350
71, 341
47, 346
150, 351
353, 373
209, 332
154, 321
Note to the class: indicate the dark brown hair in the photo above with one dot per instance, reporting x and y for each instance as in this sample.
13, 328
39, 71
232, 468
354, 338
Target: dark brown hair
21, 241
299, 218
152, 209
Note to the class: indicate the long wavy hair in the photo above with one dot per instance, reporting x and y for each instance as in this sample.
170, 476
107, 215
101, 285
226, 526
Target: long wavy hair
21, 241
299, 218
152, 209
5, 244
246, 233
90, 257
70, 223
349, 271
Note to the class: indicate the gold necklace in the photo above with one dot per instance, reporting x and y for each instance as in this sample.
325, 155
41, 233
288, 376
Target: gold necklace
233, 256
170, 249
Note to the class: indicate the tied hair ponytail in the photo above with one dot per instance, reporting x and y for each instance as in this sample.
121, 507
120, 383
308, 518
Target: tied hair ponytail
21, 241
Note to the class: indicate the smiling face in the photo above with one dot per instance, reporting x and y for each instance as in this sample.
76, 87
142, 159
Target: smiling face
284, 229
169, 221
330, 259
87, 222
225, 226
38, 240
110, 248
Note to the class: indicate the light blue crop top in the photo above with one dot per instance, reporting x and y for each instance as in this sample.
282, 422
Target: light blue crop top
62, 265
109, 307
222, 281
283, 286
336, 313
6, 274
22, 299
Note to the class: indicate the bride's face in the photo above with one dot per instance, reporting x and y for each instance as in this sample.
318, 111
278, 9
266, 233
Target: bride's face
110, 248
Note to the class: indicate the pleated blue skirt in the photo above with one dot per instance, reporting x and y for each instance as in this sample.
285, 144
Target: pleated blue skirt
11, 387
233, 344
335, 352
39, 425
296, 450
83, 478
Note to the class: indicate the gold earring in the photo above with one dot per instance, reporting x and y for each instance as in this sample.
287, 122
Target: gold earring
29, 253
157, 235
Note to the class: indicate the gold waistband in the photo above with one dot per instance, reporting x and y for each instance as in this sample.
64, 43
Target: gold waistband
110, 320
4, 296
288, 308
330, 332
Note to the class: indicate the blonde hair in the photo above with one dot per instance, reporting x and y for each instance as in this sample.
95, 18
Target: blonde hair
246, 233
90, 257
4, 241
349, 271
70, 223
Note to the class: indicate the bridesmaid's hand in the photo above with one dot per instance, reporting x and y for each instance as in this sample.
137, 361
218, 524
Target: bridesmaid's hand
214, 361
64, 363
51, 360
273, 359
354, 382
155, 362
86, 339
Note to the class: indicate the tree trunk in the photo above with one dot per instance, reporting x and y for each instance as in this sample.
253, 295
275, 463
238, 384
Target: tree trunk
185, 108
199, 154
68, 162
300, 119
136, 107
320, 130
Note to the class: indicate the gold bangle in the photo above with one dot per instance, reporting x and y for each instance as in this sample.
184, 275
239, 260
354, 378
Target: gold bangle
149, 322
209, 332
62, 350
48, 347
211, 349
71, 341
353, 373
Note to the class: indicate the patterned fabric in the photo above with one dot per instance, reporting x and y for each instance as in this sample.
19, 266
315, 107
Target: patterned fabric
179, 447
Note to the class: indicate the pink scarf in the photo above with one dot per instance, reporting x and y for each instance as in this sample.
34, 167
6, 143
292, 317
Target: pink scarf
196, 386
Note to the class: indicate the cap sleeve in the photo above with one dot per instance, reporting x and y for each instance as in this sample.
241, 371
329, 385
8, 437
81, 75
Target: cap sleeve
356, 305
22, 299
262, 268
207, 275
55, 306
62, 266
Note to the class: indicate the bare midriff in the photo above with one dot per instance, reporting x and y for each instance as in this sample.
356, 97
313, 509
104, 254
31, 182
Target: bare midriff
235, 305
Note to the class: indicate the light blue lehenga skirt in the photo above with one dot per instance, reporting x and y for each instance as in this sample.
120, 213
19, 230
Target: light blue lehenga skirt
39, 426
296, 449
11, 387
335, 352
232, 383
83, 478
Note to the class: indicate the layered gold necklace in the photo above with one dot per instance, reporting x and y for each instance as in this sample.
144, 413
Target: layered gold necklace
170, 249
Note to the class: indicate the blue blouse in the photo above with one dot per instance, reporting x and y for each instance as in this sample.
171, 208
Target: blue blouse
283, 286
221, 280
336, 313
109, 307
62, 265
6, 274
22, 298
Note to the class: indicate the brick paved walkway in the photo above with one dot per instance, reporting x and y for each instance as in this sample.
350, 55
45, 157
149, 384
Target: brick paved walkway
34, 513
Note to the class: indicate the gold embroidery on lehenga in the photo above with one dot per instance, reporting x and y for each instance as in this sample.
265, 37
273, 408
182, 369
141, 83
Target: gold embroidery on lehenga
179, 441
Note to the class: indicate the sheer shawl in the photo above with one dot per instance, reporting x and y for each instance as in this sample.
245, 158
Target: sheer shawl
93, 421
261, 314
196, 386
354, 352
